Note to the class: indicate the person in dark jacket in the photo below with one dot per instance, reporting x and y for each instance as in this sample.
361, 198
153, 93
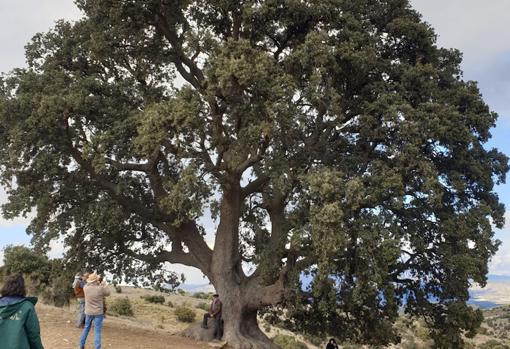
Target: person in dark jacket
332, 344
78, 285
215, 312
19, 326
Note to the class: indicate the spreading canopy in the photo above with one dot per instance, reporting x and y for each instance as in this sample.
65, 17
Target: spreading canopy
329, 139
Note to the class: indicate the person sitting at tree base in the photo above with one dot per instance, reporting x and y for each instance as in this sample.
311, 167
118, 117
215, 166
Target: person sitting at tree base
332, 344
215, 313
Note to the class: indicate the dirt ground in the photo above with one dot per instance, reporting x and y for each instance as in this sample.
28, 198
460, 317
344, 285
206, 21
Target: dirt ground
58, 332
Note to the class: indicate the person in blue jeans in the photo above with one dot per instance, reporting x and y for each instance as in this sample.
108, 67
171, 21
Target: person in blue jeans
94, 309
80, 280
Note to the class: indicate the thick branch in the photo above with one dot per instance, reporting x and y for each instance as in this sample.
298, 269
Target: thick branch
194, 76
174, 256
254, 186
261, 296
198, 248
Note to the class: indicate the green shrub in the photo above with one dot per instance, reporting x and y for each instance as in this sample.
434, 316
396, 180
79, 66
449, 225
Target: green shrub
201, 295
184, 314
422, 333
181, 292
347, 345
44, 277
170, 304
155, 299
118, 289
317, 341
120, 307
493, 344
412, 344
483, 330
203, 306
288, 342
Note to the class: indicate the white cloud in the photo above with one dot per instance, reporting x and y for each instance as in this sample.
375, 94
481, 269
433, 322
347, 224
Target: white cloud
475, 27
57, 249
21, 20
500, 263
193, 275
18, 221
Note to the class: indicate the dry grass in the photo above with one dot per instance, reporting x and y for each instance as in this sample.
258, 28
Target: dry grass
159, 316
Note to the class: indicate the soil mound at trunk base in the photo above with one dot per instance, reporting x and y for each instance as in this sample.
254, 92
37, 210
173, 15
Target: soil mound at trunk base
196, 332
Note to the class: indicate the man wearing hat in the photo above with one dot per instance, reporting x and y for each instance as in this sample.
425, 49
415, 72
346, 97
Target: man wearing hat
94, 309
215, 313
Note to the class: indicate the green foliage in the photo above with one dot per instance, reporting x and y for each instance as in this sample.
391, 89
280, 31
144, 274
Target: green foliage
181, 292
421, 332
50, 279
351, 346
203, 306
315, 340
483, 330
170, 304
288, 342
117, 288
154, 299
184, 314
120, 307
267, 327
493, 344
362, 146
27, 261
202, 295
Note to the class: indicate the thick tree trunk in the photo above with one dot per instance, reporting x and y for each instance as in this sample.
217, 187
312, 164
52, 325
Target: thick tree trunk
236, 290
241, 330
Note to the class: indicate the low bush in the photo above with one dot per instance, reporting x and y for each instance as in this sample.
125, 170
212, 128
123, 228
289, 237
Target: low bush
170, 304
288, 342
317, 341
493, 344
483, 330
118, 289
201, 295
203, 306
155, 299
184, 314
120, 307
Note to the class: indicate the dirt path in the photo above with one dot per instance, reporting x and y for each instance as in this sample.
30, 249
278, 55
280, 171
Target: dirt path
58, 332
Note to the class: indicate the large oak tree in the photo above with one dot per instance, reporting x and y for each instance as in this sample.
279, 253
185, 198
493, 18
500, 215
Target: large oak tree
327, 138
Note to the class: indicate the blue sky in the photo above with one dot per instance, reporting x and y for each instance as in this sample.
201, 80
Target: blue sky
480, 31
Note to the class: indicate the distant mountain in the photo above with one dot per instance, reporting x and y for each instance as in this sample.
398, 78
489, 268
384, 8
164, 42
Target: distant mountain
494, 293
498, 278
483, 304
197, 287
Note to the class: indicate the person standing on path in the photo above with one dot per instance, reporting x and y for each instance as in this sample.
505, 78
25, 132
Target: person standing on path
94, 306
19, 326
78, 285
215, 313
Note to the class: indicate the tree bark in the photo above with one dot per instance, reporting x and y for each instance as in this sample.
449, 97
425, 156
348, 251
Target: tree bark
240, 304
241, 330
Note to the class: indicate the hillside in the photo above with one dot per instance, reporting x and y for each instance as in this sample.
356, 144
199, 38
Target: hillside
58, 332
155, 326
